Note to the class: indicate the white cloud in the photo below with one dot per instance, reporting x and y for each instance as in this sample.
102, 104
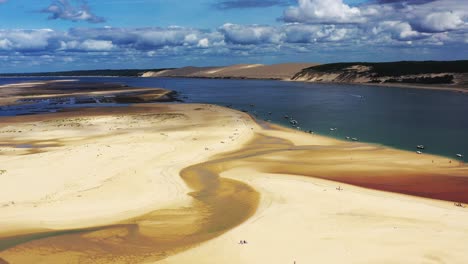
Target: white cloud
26, 40
62, 9
97, 45
319, 11
203, 43
324, 30
251, 34
440, 21
5, 44
398, 30
303, 33
191, 38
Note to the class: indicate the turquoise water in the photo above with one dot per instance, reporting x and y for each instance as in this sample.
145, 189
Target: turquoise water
396, 117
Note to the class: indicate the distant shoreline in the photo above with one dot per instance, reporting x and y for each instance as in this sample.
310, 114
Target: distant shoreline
431, 75
459, 89
438, 75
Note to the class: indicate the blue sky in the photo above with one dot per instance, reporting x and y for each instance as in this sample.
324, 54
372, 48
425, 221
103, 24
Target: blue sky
51, 35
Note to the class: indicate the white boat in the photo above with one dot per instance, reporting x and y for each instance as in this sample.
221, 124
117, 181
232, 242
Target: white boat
355, 139
420, 147
419, 152
460, 155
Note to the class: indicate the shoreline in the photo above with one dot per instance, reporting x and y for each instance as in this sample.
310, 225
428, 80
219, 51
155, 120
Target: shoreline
458, 89
281, 126
444, 87
461, 89
413, 158
69, 92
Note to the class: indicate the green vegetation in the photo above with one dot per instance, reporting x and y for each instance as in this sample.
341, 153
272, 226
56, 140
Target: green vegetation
424, 80
398, 68
121, 73
2, 172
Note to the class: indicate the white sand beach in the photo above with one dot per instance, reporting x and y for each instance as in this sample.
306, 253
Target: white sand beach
113, 169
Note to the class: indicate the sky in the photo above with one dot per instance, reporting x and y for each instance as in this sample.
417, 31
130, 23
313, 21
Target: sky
56, 35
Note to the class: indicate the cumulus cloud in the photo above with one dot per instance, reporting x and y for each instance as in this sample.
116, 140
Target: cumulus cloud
107, 39
299, 33
203, 43
234, 4
424, 16
399, 20
253, 34
26, 40
86, 45
324, 30
398, 30
148, 38
439, 22
63, 9
319, 11
227, 39
403, 2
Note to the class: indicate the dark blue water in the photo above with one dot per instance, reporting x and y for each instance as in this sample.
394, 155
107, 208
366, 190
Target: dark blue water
396, 117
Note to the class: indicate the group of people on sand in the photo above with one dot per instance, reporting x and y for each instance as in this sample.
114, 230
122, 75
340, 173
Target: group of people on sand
242, 242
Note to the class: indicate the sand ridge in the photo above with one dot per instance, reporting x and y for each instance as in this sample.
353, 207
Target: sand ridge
283, 71
63, 91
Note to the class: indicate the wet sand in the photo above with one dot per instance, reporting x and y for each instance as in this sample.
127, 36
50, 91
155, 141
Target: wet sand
317, 220
375, 167
186, 183
24, 93
136, 210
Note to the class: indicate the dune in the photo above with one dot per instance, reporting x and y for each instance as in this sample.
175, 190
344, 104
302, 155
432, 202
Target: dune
284, 71
186, 183
228, 70
180, 72
277, 71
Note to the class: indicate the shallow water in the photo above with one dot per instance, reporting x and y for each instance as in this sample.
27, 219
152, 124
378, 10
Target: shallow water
397, 117
219, 204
